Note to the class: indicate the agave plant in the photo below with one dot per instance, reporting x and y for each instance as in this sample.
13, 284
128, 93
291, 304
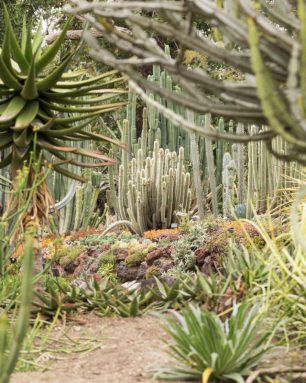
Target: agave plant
204, 346
41, 109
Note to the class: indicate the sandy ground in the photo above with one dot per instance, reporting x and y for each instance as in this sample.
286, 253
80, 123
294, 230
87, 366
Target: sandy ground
131, 348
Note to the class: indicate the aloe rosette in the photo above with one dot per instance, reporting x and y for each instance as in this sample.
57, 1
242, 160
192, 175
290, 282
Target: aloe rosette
46, 108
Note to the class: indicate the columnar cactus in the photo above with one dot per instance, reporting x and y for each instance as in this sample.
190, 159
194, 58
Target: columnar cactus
151, 190
228, 180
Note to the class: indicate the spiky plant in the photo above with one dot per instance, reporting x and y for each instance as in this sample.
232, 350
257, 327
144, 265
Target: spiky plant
44, 110
204, 346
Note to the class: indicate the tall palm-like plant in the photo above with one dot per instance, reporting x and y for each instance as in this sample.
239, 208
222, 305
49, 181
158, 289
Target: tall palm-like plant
41, 109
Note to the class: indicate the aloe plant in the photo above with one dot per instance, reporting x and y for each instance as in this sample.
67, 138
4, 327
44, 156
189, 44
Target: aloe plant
204, 346
43, 107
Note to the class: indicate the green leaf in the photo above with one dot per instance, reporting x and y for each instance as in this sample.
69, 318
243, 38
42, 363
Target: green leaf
87, 109
7, 76
28, 47
51, 52
69, 174
14, 107
49, 81
29, 91
23, 138
5, 139
90, 81
38, 39
16, 50
27, 115
24, 34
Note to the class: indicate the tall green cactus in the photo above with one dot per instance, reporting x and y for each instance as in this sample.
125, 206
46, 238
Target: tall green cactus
81, 211
151, 190
228, 180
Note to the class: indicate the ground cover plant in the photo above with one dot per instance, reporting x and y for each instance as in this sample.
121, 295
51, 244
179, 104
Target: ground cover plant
156, 189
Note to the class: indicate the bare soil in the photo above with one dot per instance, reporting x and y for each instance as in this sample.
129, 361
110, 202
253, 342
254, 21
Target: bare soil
131, 348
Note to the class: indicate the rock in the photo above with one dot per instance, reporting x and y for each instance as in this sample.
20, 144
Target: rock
163, 264
94, 267
70, 267
132, 285
158, 253
208, 265
126, 273
142, 270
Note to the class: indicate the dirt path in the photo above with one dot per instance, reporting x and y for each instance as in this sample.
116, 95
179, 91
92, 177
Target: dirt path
130, 348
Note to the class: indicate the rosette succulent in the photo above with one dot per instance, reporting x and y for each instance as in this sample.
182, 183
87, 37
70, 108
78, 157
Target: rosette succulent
43, 106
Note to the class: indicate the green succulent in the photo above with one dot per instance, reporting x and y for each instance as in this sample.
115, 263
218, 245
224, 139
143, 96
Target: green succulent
48, 109
204, 346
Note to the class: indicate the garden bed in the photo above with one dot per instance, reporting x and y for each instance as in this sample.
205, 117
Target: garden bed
160, 253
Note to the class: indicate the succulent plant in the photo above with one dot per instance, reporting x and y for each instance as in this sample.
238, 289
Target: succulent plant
43, 107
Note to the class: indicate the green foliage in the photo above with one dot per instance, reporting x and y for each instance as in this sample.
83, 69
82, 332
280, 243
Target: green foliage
107, 258
33, 96
183, 249
135, 258
265, 39
241, 264
111, 239
66, 255
152, 271
203, 345
10, 346
26, 8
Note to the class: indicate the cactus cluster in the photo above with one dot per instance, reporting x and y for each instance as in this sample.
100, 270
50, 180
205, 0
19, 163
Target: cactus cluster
260, 176
151, 189
81, 210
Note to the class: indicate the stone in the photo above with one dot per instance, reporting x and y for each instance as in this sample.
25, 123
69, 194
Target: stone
142, 270
126, 273
158, 253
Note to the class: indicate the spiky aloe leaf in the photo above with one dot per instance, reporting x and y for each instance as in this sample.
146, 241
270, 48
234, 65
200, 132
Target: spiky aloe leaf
7, 76
29, 91
12, 110
52, 51
27, 115
5, 139
16, 50
23, 138
28, 53
51, 80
